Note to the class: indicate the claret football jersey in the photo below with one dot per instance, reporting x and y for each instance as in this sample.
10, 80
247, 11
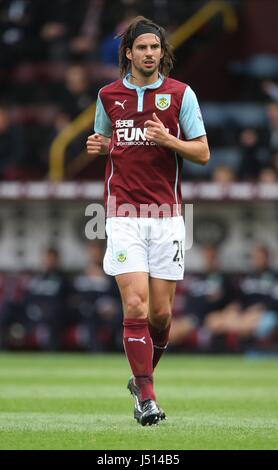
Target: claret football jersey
139, 173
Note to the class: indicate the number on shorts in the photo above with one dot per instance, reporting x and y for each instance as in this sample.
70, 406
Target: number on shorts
179, 252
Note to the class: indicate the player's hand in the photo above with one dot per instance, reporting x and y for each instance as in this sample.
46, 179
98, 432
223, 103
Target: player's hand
156, 131
94, 144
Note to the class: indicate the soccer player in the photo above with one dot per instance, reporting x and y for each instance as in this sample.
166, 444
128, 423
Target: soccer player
147, 123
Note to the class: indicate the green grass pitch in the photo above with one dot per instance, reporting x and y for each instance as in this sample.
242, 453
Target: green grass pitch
67, 401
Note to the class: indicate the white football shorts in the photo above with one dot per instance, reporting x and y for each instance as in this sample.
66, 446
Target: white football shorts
152, 245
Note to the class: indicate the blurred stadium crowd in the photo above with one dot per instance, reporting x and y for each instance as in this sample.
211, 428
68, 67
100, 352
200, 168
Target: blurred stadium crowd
54, 57
213, 311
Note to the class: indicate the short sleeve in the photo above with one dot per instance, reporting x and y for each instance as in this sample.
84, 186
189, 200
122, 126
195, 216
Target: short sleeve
102, 124
190, 118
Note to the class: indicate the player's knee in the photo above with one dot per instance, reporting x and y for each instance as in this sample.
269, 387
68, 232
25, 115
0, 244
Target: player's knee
161, 319
136, 307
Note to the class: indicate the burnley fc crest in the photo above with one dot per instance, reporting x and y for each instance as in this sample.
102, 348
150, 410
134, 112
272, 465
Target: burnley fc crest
162, 102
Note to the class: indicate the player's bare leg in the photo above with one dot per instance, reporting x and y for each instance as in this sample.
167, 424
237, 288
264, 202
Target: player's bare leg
161, 294
137, 341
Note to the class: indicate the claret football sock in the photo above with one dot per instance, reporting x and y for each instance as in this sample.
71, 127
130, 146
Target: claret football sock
139, 351
160, 342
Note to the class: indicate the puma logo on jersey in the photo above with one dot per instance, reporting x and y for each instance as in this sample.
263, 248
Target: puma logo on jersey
141, 340
121, 104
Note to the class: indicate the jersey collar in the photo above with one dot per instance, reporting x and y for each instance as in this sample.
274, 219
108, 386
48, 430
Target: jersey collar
152, 86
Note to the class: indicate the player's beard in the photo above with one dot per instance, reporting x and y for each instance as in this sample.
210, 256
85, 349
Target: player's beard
146, 72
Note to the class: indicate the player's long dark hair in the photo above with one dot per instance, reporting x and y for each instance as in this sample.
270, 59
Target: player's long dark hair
127, 39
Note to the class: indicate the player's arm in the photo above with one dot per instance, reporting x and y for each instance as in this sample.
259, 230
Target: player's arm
195, 150
195, 147
97, 144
